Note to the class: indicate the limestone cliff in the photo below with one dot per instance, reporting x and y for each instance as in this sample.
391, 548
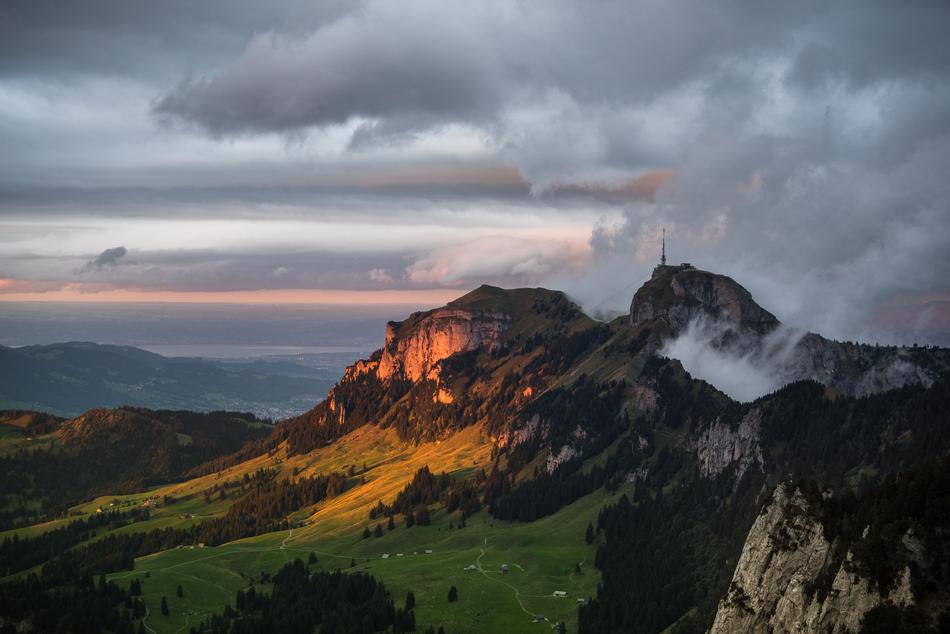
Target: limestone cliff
413, 348
720, 446
777, 585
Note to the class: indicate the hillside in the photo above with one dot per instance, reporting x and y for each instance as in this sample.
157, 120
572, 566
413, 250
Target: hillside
67, 379
509, 428
48, 464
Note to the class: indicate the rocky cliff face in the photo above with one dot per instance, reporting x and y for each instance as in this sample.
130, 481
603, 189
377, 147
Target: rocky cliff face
414, 347
775, 585
716, 311
680, 294
720, 446
859, 370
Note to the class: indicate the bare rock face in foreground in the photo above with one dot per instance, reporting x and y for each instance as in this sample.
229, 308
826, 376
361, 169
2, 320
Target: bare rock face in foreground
777, 583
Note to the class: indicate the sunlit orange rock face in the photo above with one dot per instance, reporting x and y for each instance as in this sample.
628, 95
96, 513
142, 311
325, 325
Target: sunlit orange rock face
437, 336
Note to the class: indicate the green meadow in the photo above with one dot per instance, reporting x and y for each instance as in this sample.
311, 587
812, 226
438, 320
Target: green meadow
541, 558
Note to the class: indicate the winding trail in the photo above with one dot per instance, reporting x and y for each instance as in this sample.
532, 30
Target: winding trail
478, 564
283, 544
145, 621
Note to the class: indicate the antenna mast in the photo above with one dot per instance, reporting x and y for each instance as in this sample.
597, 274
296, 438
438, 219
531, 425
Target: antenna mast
663, 252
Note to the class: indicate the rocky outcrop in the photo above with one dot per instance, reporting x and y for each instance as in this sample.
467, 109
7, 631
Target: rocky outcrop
720, 446
860, 370
680, 294
414, 347
785, 555
714, 310
564, 454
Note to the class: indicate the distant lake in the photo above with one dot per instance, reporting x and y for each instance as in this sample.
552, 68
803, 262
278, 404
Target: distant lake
207, 330
244, 351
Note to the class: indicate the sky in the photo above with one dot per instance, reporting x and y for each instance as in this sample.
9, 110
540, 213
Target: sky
406, 152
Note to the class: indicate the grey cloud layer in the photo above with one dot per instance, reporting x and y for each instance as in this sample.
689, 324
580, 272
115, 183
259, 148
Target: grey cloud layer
808, 141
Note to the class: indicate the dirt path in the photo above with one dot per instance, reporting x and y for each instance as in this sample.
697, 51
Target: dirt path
145, 621
283, 544
478, 564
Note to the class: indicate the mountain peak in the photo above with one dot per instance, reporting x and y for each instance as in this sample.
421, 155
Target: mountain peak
679, 293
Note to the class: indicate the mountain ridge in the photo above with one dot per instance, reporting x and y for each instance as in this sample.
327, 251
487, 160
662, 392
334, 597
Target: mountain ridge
532, 406
69, 378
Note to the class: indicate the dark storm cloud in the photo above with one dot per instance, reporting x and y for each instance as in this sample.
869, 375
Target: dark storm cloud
107, 259
428, 64
48, 38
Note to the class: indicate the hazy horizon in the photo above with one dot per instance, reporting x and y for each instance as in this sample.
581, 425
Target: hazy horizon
152, 326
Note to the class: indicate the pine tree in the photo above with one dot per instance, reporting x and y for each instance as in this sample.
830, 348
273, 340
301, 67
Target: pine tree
180, 591
367, 533
379, 530
589, 535
453, 594
164, 606
410, 600
313, 556
391, 525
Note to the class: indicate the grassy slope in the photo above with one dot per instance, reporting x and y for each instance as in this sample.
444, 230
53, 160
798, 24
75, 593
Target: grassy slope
13, 439
541, 555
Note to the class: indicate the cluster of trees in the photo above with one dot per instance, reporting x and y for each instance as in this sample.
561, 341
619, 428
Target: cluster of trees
361, 398
266, 506
427, 488
818, 437
20, 554
871, 526
665, 553
331, 602
62, 598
